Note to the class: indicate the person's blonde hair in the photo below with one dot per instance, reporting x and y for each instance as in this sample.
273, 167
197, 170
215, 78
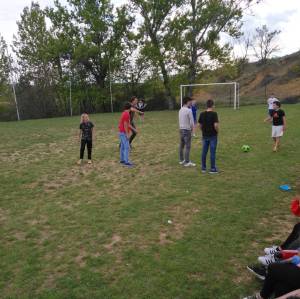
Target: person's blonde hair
82, 117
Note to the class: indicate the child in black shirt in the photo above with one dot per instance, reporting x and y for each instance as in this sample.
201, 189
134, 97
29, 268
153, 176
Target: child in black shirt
86, 137
277, 117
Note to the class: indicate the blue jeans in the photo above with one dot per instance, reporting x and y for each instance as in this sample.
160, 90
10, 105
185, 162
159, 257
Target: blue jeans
124, 148
209, 142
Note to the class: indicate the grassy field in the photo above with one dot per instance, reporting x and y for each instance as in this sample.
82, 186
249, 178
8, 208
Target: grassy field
102, 231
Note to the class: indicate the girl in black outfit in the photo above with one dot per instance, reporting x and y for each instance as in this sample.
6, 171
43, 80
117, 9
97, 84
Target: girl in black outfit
86, 137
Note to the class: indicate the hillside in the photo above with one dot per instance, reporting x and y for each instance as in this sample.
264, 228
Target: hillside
280, 76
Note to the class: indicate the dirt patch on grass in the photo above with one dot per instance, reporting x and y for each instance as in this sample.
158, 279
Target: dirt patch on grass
20, 236
3, 215
80, 258
196, 276
114, 240
180, 218
163, 238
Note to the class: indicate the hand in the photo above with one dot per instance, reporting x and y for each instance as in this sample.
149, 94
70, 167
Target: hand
128, 136
284, 128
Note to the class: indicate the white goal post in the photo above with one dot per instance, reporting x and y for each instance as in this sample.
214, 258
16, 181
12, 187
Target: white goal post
236, 91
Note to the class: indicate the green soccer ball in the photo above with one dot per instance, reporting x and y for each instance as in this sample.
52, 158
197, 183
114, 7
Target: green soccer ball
245, 148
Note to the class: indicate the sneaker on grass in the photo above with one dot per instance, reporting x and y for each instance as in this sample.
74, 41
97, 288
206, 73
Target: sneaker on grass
214, 171
128, 164
259, 271
203, 170
271, 250
267, 259
189, 164
181, 162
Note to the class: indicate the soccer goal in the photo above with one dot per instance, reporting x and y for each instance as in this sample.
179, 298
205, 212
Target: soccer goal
224, 94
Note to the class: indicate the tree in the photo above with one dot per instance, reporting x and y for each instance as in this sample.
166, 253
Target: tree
102, 35
264, 43
198, 31
37, 74
4, 66
155, 30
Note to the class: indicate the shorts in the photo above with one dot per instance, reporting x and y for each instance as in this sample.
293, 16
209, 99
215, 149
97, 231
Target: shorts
277, 131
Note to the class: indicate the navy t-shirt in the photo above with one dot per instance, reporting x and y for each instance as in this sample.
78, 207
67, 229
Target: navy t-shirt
277, 116
207, 119
86, 129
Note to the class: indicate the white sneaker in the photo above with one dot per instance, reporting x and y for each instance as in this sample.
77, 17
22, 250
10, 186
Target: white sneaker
267, 260
181, 162
271, 250
189, 164
89, 161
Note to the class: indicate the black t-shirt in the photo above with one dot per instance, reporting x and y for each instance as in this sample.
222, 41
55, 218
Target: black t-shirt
207, 119
86, 129
277, 116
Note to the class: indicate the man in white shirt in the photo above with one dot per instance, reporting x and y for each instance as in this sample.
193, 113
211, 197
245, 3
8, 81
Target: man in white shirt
186, 125
270, 101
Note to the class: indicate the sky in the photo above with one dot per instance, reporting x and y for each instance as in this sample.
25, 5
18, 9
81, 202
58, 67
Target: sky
282, 15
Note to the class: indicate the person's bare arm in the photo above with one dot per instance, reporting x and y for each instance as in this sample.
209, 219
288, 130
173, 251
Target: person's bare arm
136, 110
284, 123
268, 119
216, 126
126, 127
133, 129
290, 295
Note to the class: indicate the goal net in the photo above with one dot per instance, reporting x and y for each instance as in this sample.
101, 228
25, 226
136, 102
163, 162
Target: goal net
223, 94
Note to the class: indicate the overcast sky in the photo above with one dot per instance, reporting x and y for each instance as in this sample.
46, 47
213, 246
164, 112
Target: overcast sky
277, 14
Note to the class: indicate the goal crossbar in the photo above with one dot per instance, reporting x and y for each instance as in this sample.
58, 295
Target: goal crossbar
236, 85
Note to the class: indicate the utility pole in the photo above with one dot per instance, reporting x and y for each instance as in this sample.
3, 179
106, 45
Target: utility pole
13, 85
70, 86
110, 89
70, 96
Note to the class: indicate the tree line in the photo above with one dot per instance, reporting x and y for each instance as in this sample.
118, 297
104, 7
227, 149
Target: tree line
144, 48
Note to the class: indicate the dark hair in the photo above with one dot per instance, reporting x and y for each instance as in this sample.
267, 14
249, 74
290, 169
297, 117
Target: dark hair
185, 100
127, 106
277, 103
132, 99
210, 103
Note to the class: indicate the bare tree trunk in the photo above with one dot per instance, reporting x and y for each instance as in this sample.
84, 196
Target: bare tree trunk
168, 92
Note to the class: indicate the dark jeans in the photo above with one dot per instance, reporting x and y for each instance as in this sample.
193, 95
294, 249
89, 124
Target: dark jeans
209, 143
185, 142
133, 134
293, 240
281, 279
89, 145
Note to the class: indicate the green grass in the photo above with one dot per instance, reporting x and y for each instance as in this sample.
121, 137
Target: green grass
101, 231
